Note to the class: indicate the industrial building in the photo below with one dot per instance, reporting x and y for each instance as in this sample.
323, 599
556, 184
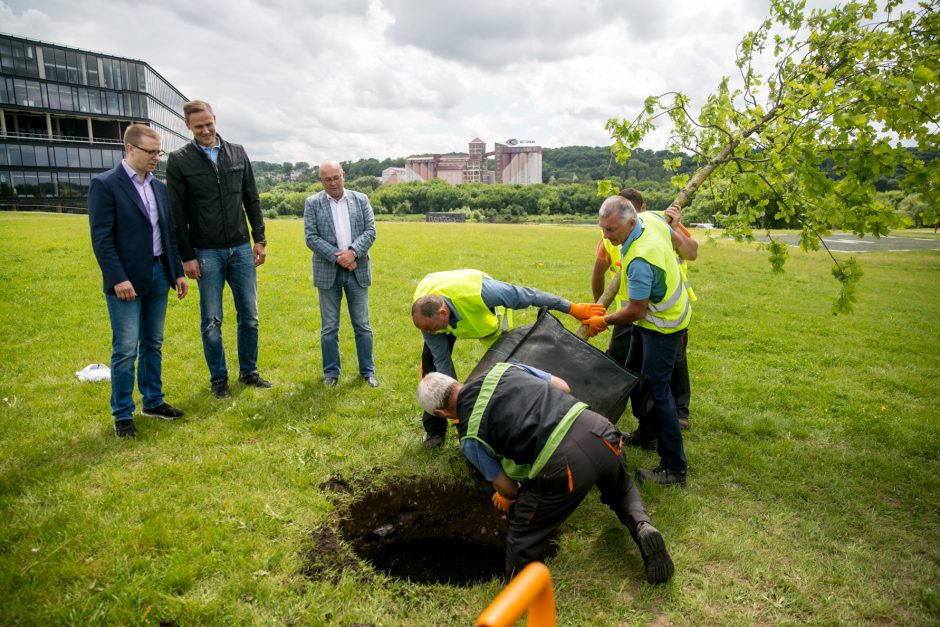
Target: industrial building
517, 162
63, 112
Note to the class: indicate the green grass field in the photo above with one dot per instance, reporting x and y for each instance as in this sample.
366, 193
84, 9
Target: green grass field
814, 494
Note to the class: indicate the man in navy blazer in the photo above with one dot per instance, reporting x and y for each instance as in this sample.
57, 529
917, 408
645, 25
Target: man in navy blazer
133, 240
339, 227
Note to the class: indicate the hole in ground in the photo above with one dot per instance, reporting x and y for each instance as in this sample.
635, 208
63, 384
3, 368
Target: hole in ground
422, 530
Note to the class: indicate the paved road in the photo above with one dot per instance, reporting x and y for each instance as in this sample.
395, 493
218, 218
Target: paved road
850, 243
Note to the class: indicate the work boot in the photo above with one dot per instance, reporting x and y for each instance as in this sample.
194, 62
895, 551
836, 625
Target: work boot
656, 560
640, 439
433, 440
661, 476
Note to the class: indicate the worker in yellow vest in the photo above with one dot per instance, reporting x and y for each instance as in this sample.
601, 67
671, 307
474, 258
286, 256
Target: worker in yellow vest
471, 304
659, 307
606, 265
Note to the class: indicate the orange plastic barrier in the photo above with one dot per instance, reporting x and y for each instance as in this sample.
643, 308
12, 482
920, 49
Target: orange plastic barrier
529, 590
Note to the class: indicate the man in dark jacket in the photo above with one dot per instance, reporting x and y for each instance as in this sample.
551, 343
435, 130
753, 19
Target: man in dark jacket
134, 243
212, 190
543, 450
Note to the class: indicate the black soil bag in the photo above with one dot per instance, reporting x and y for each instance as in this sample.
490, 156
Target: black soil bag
593, 377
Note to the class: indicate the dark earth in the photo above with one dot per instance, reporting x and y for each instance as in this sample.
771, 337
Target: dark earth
421, 530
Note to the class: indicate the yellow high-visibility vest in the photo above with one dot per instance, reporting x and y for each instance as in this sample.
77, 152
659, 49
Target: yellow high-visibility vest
462, 288
654, 245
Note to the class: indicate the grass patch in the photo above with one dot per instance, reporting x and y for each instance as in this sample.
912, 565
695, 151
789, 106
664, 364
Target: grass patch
813, 451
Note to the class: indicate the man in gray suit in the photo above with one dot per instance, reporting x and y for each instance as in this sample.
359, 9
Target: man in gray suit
339, 228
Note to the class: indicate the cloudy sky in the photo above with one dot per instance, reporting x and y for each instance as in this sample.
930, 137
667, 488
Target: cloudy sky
311, 80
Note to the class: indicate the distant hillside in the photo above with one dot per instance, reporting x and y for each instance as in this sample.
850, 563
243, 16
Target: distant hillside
594, 163
568, 164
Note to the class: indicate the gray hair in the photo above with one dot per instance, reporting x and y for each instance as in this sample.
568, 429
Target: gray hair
619, 206
434, 391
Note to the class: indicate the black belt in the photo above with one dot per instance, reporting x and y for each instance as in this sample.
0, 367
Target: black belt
157, 258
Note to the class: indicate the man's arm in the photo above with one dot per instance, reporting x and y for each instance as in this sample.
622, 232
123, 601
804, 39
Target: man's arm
505, 486
501, 294
634, 310
685, 246
176, 193
440, 351
554, 381
598, 278
252, 202
101, 217
363, 243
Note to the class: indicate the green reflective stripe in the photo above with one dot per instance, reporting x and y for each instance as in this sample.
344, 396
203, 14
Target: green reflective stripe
662, 323
516, 472
556, 437
666, 304
483, 398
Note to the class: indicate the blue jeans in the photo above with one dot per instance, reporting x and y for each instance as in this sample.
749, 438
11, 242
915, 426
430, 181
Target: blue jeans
657, 362
236, 266
357, 302
137, 328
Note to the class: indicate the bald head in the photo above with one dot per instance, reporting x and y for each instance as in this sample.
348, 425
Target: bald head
332, 177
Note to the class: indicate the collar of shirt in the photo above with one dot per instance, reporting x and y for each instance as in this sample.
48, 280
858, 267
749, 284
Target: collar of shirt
134, 176
635, 233
338, 200
211, 151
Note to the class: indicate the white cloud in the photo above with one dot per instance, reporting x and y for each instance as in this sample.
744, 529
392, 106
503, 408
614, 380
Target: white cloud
307, 80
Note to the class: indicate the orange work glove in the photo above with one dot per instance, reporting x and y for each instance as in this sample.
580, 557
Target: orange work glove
583, 311
596, 325
501, 503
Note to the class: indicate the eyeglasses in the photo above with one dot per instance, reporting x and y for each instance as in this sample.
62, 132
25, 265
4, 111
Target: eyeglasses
331, 179
150, 153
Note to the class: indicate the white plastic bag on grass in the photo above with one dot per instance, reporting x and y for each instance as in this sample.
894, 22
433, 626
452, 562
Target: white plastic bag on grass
94, 372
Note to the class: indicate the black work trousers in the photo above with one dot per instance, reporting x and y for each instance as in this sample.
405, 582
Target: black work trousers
679, 384
590, 454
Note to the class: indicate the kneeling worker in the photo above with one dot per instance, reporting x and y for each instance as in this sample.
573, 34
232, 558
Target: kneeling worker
471, 304
543, 451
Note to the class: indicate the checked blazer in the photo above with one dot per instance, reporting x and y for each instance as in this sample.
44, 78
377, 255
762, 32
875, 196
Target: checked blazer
320, 236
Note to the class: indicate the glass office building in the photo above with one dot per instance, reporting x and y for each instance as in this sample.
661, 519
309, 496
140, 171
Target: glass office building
63, 112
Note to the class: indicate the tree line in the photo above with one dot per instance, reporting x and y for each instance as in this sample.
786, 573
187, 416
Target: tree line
570, 192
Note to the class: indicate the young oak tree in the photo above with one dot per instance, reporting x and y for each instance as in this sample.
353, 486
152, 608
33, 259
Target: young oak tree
853, 89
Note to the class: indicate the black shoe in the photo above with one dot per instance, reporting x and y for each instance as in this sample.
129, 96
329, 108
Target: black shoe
371, 381
683, 423
164, 412
330, 382
254, 380
125, 428
641, 440
220, 389
656, 560
433, 441
661, 476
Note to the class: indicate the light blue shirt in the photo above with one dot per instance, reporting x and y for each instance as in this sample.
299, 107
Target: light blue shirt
477, 454
644, 280
212, 152
145, 191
